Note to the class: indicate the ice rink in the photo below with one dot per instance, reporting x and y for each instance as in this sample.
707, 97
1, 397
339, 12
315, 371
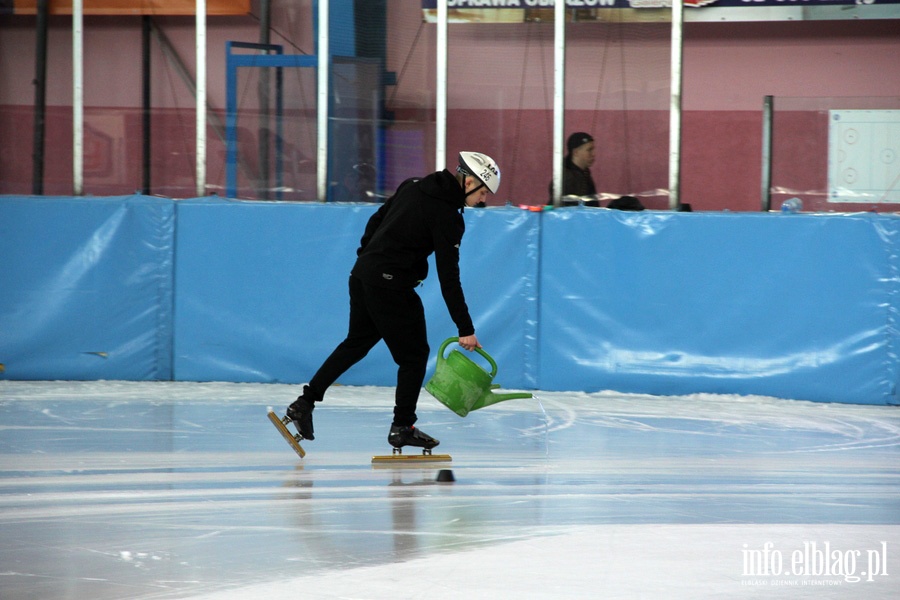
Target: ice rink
185, 490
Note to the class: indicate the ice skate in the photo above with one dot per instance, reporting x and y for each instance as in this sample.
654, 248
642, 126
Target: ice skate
410, 436
300, 412
399, 437
292, 439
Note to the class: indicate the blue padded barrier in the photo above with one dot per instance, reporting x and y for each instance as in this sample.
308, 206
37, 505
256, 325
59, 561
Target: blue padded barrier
86, 287
262, 290
261, 287
499, 273
795, 306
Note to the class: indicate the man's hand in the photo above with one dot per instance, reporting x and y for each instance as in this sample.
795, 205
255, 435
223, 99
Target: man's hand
469, 342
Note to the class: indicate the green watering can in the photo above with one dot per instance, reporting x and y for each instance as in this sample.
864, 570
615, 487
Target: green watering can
463, 386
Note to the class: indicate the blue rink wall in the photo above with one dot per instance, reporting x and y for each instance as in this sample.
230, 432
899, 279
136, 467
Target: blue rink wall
145, 288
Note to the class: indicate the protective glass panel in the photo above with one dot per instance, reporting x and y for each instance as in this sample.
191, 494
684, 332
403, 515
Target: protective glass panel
836, 154
618, 90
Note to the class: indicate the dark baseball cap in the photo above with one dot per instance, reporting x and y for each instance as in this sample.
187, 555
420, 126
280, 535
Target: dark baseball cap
578, 139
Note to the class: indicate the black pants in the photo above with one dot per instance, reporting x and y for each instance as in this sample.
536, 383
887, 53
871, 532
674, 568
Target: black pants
398, 318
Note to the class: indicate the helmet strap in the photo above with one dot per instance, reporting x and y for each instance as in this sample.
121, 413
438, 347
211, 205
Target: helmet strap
474, 190
467, 174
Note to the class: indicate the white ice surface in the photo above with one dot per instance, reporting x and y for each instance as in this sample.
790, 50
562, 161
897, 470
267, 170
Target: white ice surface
184, 490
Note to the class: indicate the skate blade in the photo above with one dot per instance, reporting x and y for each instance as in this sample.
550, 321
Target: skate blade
408, 459
290, 438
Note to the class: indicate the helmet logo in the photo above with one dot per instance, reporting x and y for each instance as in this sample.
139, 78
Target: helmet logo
487, 172
487, 169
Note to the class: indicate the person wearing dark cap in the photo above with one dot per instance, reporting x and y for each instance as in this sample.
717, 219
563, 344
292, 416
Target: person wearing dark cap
577, 179
358, 185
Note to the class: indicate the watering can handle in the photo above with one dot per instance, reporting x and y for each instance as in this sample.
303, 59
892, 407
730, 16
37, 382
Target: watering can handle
480, 351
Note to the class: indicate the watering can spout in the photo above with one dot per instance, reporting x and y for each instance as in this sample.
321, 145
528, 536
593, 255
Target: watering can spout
489, 398
462, 385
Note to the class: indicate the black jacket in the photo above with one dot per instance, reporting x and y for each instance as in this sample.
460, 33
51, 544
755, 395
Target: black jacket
424, 216
576, 181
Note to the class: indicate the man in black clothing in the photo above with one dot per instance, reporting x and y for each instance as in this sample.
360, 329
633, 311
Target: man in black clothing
577, 179
424, 216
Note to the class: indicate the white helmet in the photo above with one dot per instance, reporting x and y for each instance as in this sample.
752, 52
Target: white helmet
482, 167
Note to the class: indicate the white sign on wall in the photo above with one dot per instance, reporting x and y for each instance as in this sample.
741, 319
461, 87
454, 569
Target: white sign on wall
864, 156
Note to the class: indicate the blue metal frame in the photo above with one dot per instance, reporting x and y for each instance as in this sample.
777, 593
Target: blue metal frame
233, 62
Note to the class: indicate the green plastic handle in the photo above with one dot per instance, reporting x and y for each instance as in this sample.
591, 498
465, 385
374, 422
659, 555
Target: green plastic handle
480, 351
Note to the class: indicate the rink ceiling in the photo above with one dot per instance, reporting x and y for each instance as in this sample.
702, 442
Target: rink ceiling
144, 288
